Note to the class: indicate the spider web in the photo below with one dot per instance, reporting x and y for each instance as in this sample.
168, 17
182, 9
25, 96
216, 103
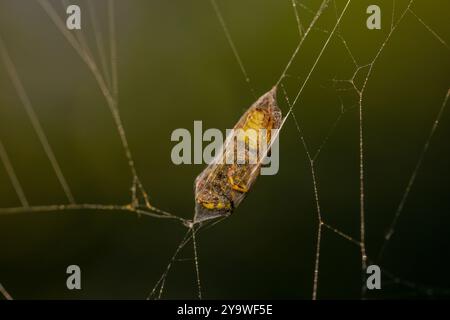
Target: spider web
103, 66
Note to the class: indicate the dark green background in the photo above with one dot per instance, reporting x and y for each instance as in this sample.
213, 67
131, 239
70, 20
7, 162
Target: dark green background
175, 66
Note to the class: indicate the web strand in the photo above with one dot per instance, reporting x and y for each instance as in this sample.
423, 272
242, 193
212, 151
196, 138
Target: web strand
361, 152
84, 52
87, 58
322, 7
111, 98
162, 280
99, 43
12, 176
434, 33
112, 42
321, 222
5, 293
197, 267
151, 212
232, 45
17, 83
413, 176
297, 18
393, 14
320, 53
341, 37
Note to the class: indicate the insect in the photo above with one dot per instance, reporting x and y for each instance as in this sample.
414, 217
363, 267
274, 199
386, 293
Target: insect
222, 185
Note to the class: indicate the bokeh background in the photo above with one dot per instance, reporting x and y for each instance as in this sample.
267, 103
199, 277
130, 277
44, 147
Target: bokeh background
176, 66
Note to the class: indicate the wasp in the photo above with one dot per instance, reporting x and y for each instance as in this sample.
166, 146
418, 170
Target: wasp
223, 184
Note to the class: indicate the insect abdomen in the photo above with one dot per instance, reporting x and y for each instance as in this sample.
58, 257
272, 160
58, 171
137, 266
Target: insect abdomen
222, 186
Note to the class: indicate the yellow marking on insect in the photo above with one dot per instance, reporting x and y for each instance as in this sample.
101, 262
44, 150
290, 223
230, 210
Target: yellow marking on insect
237, 186
212, 205
257, 119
